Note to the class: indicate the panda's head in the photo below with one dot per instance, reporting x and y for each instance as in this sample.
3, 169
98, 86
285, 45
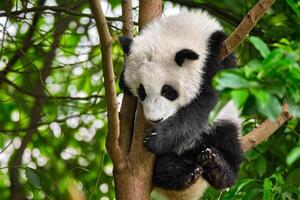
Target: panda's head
164, 65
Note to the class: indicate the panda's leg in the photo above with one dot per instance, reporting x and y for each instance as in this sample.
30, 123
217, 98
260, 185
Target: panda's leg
216, 170
176, 172
221, 159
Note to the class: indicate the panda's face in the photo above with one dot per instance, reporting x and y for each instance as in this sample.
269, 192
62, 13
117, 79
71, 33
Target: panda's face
158, 100
159, 93
164, 65
163, 83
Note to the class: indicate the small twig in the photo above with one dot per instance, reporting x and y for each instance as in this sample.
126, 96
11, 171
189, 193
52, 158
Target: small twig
43, 8
55, 9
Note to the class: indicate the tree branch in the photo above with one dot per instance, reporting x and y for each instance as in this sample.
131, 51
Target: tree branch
39, 9
127, 19
265, 130
112, 144
43, 8
241, 32
129, 103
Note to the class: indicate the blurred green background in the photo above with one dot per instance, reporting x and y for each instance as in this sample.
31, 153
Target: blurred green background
52, 106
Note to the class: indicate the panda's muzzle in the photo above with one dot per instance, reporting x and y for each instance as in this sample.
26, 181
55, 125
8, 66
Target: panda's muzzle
156, 121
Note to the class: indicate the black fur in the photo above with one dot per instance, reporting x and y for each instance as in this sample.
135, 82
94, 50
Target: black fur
126, 43
123, 85
141, 92
216, 157
169, 92
185, 54
188, 124
186, 146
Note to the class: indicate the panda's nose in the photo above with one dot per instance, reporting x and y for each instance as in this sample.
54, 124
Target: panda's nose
155, 121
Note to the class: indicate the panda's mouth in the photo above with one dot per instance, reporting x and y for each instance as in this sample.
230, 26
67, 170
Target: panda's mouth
156, 121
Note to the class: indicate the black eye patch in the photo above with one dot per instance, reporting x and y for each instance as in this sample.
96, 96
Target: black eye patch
141, 92
169, 92
185, 54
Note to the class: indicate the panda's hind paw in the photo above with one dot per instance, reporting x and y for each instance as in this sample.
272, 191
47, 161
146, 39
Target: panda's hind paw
194, 175
211, 158
207, 154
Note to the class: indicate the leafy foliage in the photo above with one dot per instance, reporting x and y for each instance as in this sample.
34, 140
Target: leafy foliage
270, 80
63, 144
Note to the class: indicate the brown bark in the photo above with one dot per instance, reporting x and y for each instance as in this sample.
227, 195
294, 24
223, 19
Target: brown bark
265, 130
244, 28
129, 103
149, 10
132, 172
112, 144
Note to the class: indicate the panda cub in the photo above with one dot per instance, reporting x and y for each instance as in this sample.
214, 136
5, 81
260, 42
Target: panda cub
170, 67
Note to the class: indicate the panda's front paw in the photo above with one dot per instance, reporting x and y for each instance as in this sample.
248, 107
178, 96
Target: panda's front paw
155, 142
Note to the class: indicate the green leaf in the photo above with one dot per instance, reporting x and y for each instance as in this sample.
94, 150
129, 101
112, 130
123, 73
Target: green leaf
33, 177
114, 3
260, 45
252, 155
277, 88
293, 156
239, 96
267, 189
272, 109
278, 178
261, 96
294, 6
293, 177
274, 60
261, 166
294, 109
229, 80
237, 188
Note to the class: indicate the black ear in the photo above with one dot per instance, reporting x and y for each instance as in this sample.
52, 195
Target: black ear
185, 54
125, 43
123, 85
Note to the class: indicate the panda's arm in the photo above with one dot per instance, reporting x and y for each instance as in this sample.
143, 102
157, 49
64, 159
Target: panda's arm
181, 131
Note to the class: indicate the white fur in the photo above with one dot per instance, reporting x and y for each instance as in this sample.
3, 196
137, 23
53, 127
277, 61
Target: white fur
230, 112
151, 61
